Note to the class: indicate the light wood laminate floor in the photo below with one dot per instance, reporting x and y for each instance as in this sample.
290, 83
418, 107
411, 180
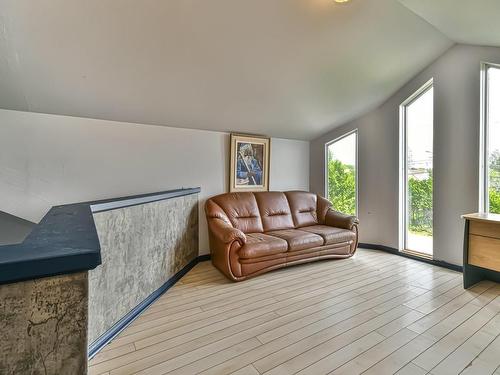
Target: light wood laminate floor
376, 313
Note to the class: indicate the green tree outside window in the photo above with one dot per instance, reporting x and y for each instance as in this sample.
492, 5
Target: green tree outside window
342, 186
342, 193
420, 205
494, 177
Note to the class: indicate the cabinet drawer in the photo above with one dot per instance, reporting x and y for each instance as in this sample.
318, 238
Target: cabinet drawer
485, 229
484, 252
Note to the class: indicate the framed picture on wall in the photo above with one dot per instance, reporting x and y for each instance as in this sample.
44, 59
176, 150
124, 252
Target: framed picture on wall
249, 169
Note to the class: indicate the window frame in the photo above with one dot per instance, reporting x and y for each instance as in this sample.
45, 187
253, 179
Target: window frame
403, 167
484, 178
356, 172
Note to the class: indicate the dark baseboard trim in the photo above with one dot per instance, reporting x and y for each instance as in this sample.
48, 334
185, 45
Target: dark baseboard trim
394, 251
123, 323
203, 258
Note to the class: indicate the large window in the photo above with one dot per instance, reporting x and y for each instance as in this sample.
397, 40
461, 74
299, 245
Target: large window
490, 181
341, 174
416, 132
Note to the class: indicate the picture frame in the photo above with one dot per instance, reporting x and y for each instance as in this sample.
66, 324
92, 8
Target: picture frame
250, 161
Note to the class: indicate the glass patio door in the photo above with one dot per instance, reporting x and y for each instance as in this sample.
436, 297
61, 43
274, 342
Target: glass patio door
417, 161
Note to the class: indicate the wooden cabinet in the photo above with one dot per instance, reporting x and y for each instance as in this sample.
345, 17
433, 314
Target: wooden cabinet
481, 248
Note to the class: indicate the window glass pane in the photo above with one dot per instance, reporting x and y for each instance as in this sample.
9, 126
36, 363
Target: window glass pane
494, 138
419, 167
341, 172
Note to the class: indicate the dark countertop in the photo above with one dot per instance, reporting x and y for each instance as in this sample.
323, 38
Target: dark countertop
66, 240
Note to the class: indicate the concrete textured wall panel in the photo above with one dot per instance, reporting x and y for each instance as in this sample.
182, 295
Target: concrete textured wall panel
43, 324
141, 248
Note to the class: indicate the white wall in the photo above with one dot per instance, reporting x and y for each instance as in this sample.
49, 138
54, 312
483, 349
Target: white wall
456, 153
47, 160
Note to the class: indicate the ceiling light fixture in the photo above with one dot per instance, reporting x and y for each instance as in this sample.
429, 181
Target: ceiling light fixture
341, 1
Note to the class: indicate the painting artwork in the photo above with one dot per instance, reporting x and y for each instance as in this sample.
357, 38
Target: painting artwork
249, 163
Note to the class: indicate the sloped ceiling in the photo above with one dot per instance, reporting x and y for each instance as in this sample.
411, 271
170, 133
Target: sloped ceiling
285, 68
463, 21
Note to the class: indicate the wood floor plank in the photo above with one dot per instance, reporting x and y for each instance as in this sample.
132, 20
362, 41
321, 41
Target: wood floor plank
163, 346
441, 300
278, 322
400, 323
279, 276
423, 342
449, 308
397, 360
462, 356
216, 315
247, 370
353, 285
343, 355
364, 361
107, 355
242, 293
376, 313
434, 293
487, 361
282, 349
167, 350
373, 300
411, 369
445, 346
314, 348
194, 367
279, 344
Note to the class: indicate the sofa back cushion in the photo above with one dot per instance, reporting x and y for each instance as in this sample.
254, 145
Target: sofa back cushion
304, 208
242, 211
214, 211
274, 210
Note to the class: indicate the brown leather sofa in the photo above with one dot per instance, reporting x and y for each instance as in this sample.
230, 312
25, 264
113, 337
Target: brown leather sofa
252, 233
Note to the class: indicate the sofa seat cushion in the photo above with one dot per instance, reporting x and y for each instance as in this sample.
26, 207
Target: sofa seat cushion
331, 235
298, 239
261, 245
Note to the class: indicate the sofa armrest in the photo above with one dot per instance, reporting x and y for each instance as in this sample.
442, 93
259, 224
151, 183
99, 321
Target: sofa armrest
225, 243
226, 233
339, 220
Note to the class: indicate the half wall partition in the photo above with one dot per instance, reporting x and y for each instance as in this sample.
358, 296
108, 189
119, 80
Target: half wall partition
85, 272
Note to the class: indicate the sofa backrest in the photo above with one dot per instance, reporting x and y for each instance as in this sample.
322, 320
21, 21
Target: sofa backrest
268, 211
241, 210
274, 210
304, 208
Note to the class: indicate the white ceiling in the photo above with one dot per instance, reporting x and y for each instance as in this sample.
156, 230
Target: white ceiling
285, 68
463, 21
